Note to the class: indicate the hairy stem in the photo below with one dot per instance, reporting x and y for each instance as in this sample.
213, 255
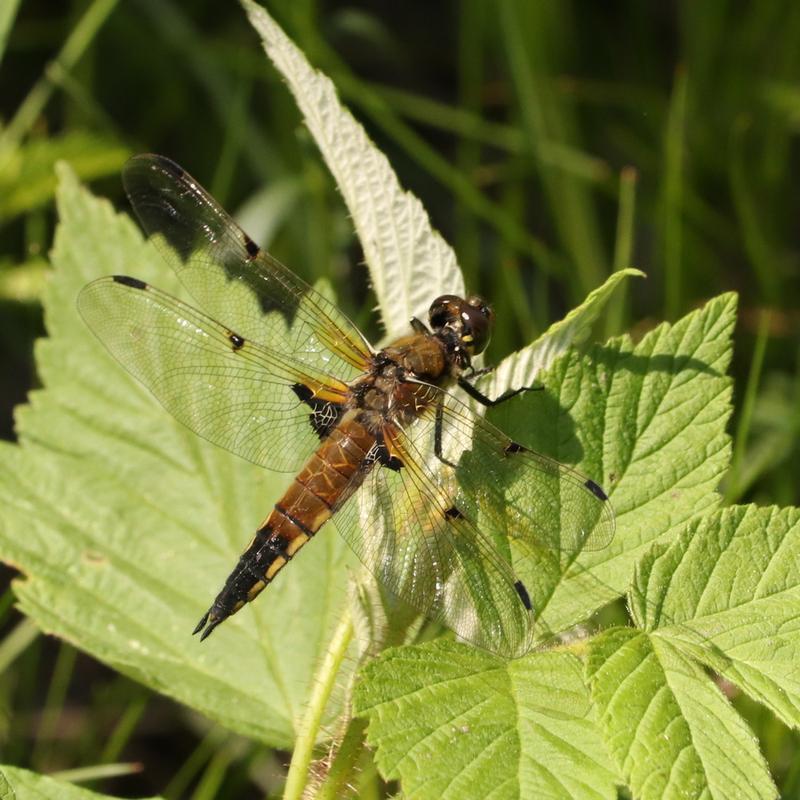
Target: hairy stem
309, 726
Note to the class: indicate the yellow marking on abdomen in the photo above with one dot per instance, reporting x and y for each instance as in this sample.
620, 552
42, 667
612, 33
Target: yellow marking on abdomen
273, 568
295, 544
255, 590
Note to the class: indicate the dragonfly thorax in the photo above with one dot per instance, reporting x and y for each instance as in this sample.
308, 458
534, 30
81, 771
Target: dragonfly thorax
395, 384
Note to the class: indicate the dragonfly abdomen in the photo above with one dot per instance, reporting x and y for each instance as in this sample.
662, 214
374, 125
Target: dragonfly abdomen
326, 480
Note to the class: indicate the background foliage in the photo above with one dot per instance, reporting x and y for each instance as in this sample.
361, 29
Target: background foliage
550, 142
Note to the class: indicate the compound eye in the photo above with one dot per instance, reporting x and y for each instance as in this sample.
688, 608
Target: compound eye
477, 317
443, 310
480, 305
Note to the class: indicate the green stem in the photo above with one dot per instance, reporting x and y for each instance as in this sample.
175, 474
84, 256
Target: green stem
323, 683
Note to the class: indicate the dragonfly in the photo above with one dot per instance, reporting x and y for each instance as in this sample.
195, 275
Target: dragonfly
432, 497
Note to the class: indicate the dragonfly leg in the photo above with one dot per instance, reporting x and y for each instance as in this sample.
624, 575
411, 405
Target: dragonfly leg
476, 394
437, 433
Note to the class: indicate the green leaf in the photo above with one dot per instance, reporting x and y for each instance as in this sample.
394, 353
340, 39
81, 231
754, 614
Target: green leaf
454, 722
27, 179
20, 784
647, 422
671, 731
125, 524
523, 367
409, 262
728, 593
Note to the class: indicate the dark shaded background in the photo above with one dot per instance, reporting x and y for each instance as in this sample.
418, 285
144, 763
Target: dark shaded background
523, 127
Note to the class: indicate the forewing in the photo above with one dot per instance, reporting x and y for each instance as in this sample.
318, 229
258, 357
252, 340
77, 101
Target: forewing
228, 389
232, 279
407, 528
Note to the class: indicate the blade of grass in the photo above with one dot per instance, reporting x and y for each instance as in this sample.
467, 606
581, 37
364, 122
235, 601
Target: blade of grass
172, 23
53, 705
17, 642
474, 128
733, 488
672, 197
124, 729
81, 36
464, 119
623, 247
546, 117
192, 766
513, 301
98, 772
758, 248
8, 12
381, 113
214, 775
83, 99
468, 152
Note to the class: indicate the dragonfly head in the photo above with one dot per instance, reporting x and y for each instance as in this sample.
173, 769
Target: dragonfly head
466, 324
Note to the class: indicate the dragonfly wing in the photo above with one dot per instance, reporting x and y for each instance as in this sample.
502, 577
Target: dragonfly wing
535, 500
444, 530
407, 528
251, 400
232, 278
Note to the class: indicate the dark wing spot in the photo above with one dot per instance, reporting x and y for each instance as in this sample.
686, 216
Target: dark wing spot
523, 595
515, 447
236, 340
126, 280
453, 513
252, 248
596, 490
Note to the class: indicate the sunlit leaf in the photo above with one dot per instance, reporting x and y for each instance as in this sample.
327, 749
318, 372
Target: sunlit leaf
20, 784
409, 262
728, 593
670, 729
454, 722
125, 524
